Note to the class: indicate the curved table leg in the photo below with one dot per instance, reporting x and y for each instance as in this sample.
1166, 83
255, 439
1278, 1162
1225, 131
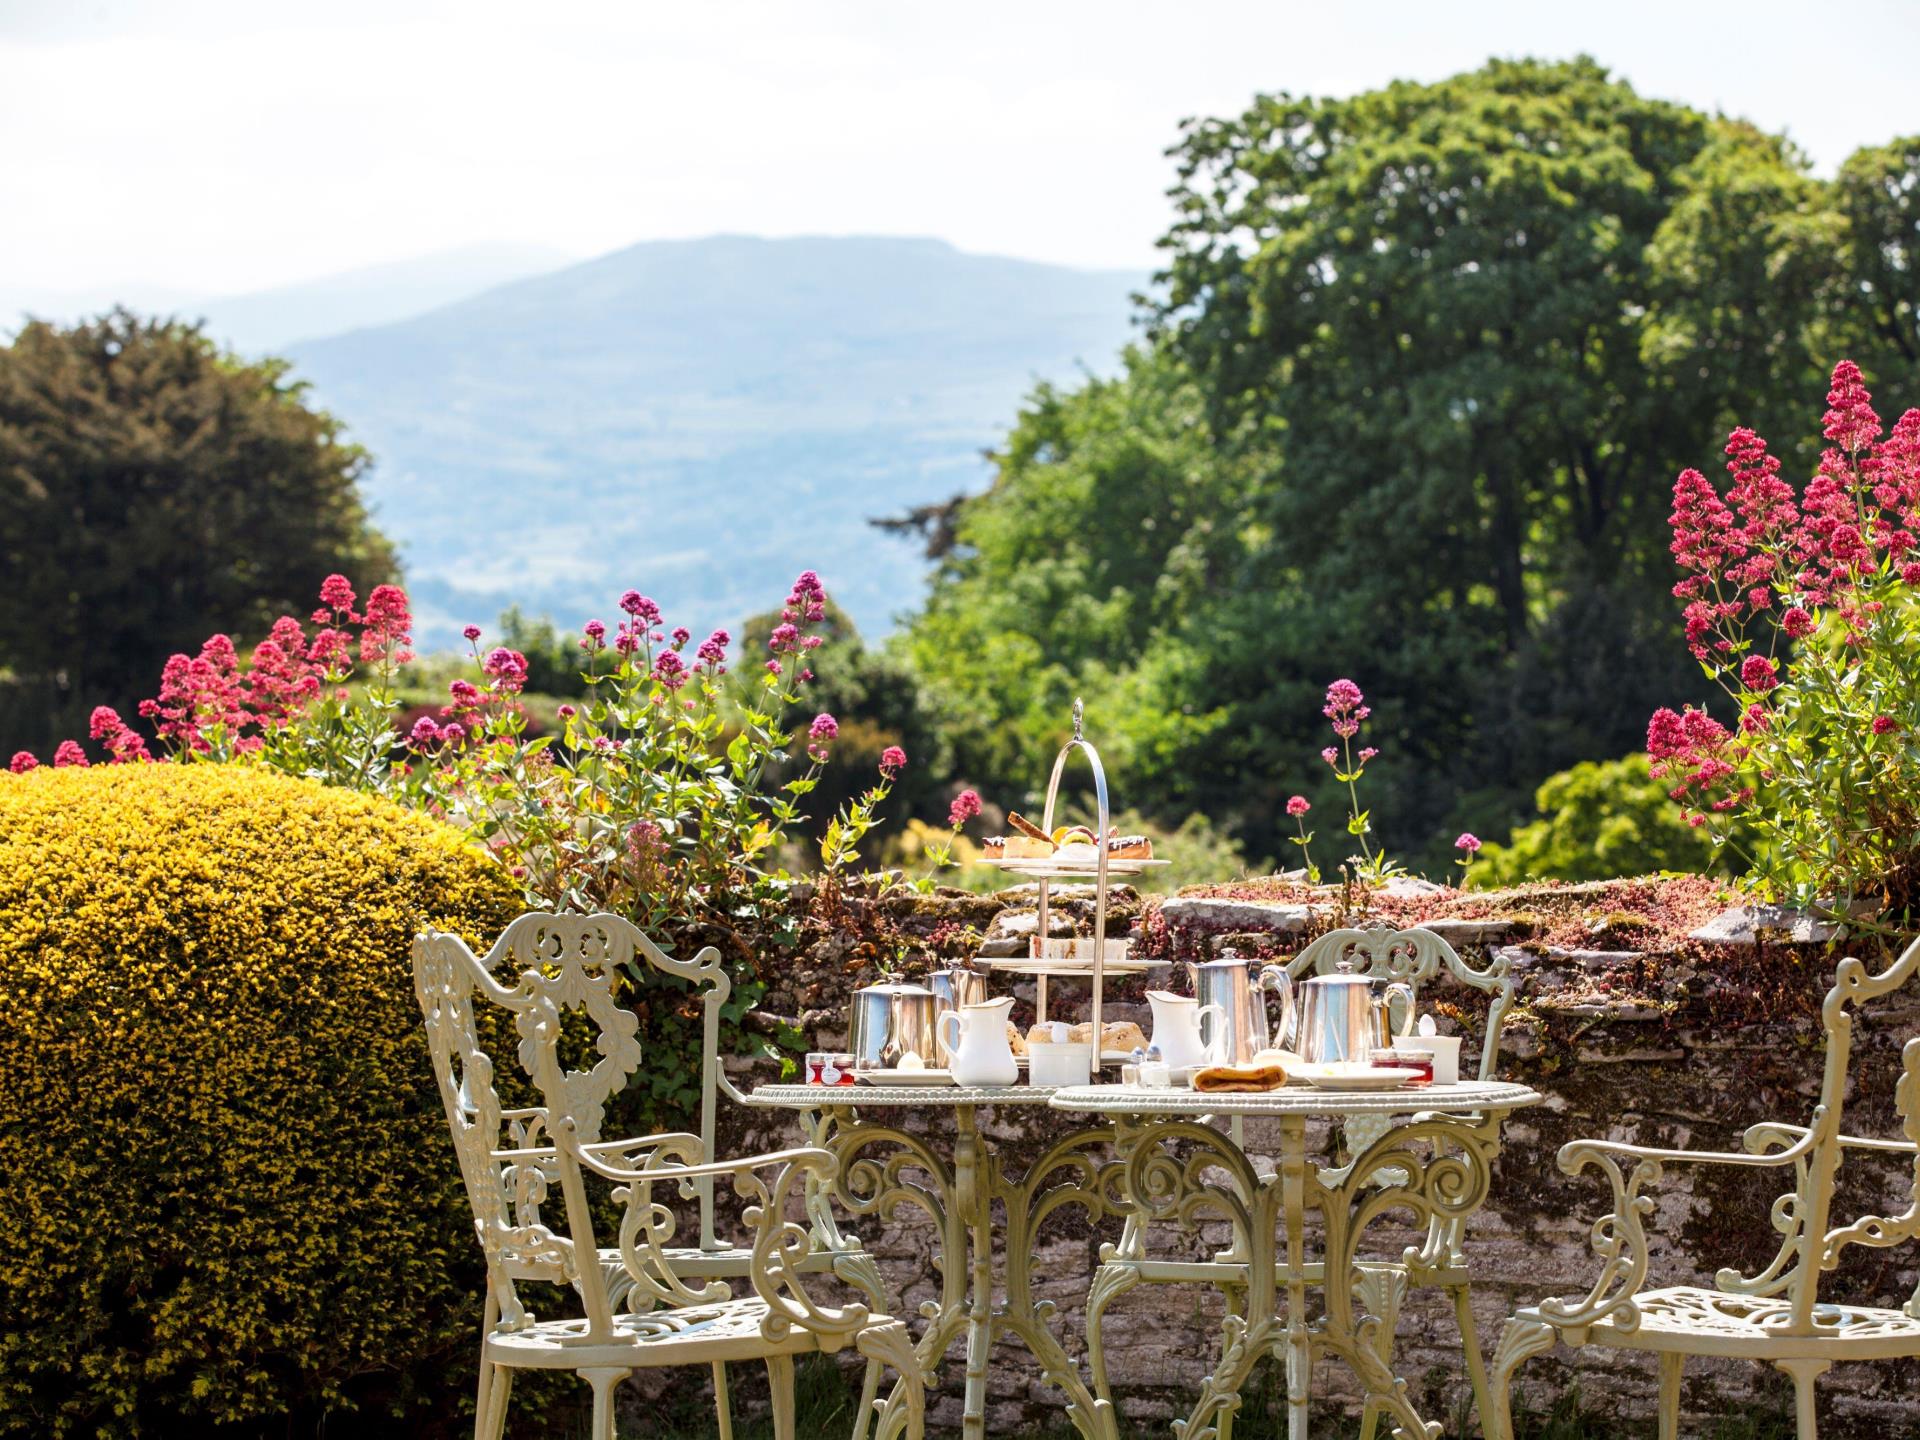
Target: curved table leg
883, 1168
1435, 1167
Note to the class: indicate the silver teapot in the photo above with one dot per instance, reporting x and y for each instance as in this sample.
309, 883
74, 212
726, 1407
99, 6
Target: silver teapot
1233, 984
953, 987
1341, 1018
891, 1019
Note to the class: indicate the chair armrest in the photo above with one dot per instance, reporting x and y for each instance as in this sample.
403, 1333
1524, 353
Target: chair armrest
780, 1245
1619, 1238
1785, 1134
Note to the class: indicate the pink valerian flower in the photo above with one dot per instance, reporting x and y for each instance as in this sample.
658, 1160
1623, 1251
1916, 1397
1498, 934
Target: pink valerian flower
1850, 421
785, 637
646, 842
1367, 752
1696, 753
566, 712
670, 670
389, 627
640, 608
199, 694
281, 680
507, 669
966, 805
773, 668
426, 733
70, 755
1344, 708
806, 603
22, 761
1298, 806
1757, 673
681, 635
465, 697
1706, 539
1765, 503
1797, 622
336, 595
822, 733
124, 747
1885, 724
593, 635
893, 760
1332, 756
472, 633
1468, 842
713, 649
1755, 719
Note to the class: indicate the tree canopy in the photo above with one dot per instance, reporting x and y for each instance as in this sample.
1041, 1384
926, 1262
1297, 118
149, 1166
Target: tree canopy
1421, 368
154, 490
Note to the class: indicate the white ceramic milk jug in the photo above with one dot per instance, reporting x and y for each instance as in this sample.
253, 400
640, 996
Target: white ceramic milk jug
979, 1053
1177, 1024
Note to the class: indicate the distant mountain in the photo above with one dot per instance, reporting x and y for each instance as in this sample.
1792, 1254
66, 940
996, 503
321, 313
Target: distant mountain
701, 419
376, 295
270, 320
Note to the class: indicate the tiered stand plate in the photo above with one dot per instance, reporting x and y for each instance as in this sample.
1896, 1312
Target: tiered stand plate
1105, 959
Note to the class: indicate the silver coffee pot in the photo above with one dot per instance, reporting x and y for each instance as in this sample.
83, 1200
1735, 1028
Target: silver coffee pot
1234, 984
953, 987
1341, 1018
890, 1019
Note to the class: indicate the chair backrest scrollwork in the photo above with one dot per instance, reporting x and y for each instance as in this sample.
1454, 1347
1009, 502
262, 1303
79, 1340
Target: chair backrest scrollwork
1809, 1248
504, 1194
579, 959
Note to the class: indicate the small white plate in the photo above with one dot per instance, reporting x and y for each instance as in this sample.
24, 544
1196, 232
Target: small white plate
903, 1077
1353, 1077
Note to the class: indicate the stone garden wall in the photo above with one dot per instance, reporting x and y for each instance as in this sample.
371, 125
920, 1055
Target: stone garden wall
1633, 1023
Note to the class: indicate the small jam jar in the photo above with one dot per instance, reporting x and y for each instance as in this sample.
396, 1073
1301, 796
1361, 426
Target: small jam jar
824, 1067
1420, 1063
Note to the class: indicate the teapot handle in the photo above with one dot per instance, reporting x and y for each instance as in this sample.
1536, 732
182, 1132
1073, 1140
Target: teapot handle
1275, 977
1402, 992
1218, 1014
952, 1046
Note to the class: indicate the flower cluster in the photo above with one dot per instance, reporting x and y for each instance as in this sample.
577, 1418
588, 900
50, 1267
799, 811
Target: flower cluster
1346, 710
1805, 610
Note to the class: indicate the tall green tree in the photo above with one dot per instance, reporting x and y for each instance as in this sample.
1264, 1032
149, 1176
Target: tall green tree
1438, 351
154, 490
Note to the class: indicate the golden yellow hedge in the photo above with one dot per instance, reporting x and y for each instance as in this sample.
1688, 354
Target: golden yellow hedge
229, 1193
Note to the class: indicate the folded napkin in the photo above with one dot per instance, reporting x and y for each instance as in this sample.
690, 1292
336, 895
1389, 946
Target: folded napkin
1240, 1079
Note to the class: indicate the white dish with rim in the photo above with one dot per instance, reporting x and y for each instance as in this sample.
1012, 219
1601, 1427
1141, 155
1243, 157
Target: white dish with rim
1353, 1077
927, 1076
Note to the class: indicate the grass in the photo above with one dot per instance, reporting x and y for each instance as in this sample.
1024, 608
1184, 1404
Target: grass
825, 1404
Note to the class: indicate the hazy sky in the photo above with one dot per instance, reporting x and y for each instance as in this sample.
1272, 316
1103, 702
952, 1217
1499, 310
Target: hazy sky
215, 146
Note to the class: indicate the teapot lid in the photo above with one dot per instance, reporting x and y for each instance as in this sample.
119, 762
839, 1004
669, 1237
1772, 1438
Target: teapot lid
1342, 975
893, 985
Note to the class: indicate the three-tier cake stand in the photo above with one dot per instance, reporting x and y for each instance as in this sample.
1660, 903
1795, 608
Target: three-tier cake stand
1074, 958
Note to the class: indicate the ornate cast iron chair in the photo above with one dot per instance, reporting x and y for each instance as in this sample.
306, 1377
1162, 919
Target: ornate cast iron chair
573, 961
1413, 957
1777, 1316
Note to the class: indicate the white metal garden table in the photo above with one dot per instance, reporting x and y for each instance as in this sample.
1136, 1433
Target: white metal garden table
883, 1167
1430, 1154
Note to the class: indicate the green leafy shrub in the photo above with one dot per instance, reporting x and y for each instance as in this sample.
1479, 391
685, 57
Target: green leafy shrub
1600, 819
230, 1194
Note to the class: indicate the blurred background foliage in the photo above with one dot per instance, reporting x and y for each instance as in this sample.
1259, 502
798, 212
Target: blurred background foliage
1406, 406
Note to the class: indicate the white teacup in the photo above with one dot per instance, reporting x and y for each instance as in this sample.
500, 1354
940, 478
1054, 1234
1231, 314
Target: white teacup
1059, 1064
1445, 1050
